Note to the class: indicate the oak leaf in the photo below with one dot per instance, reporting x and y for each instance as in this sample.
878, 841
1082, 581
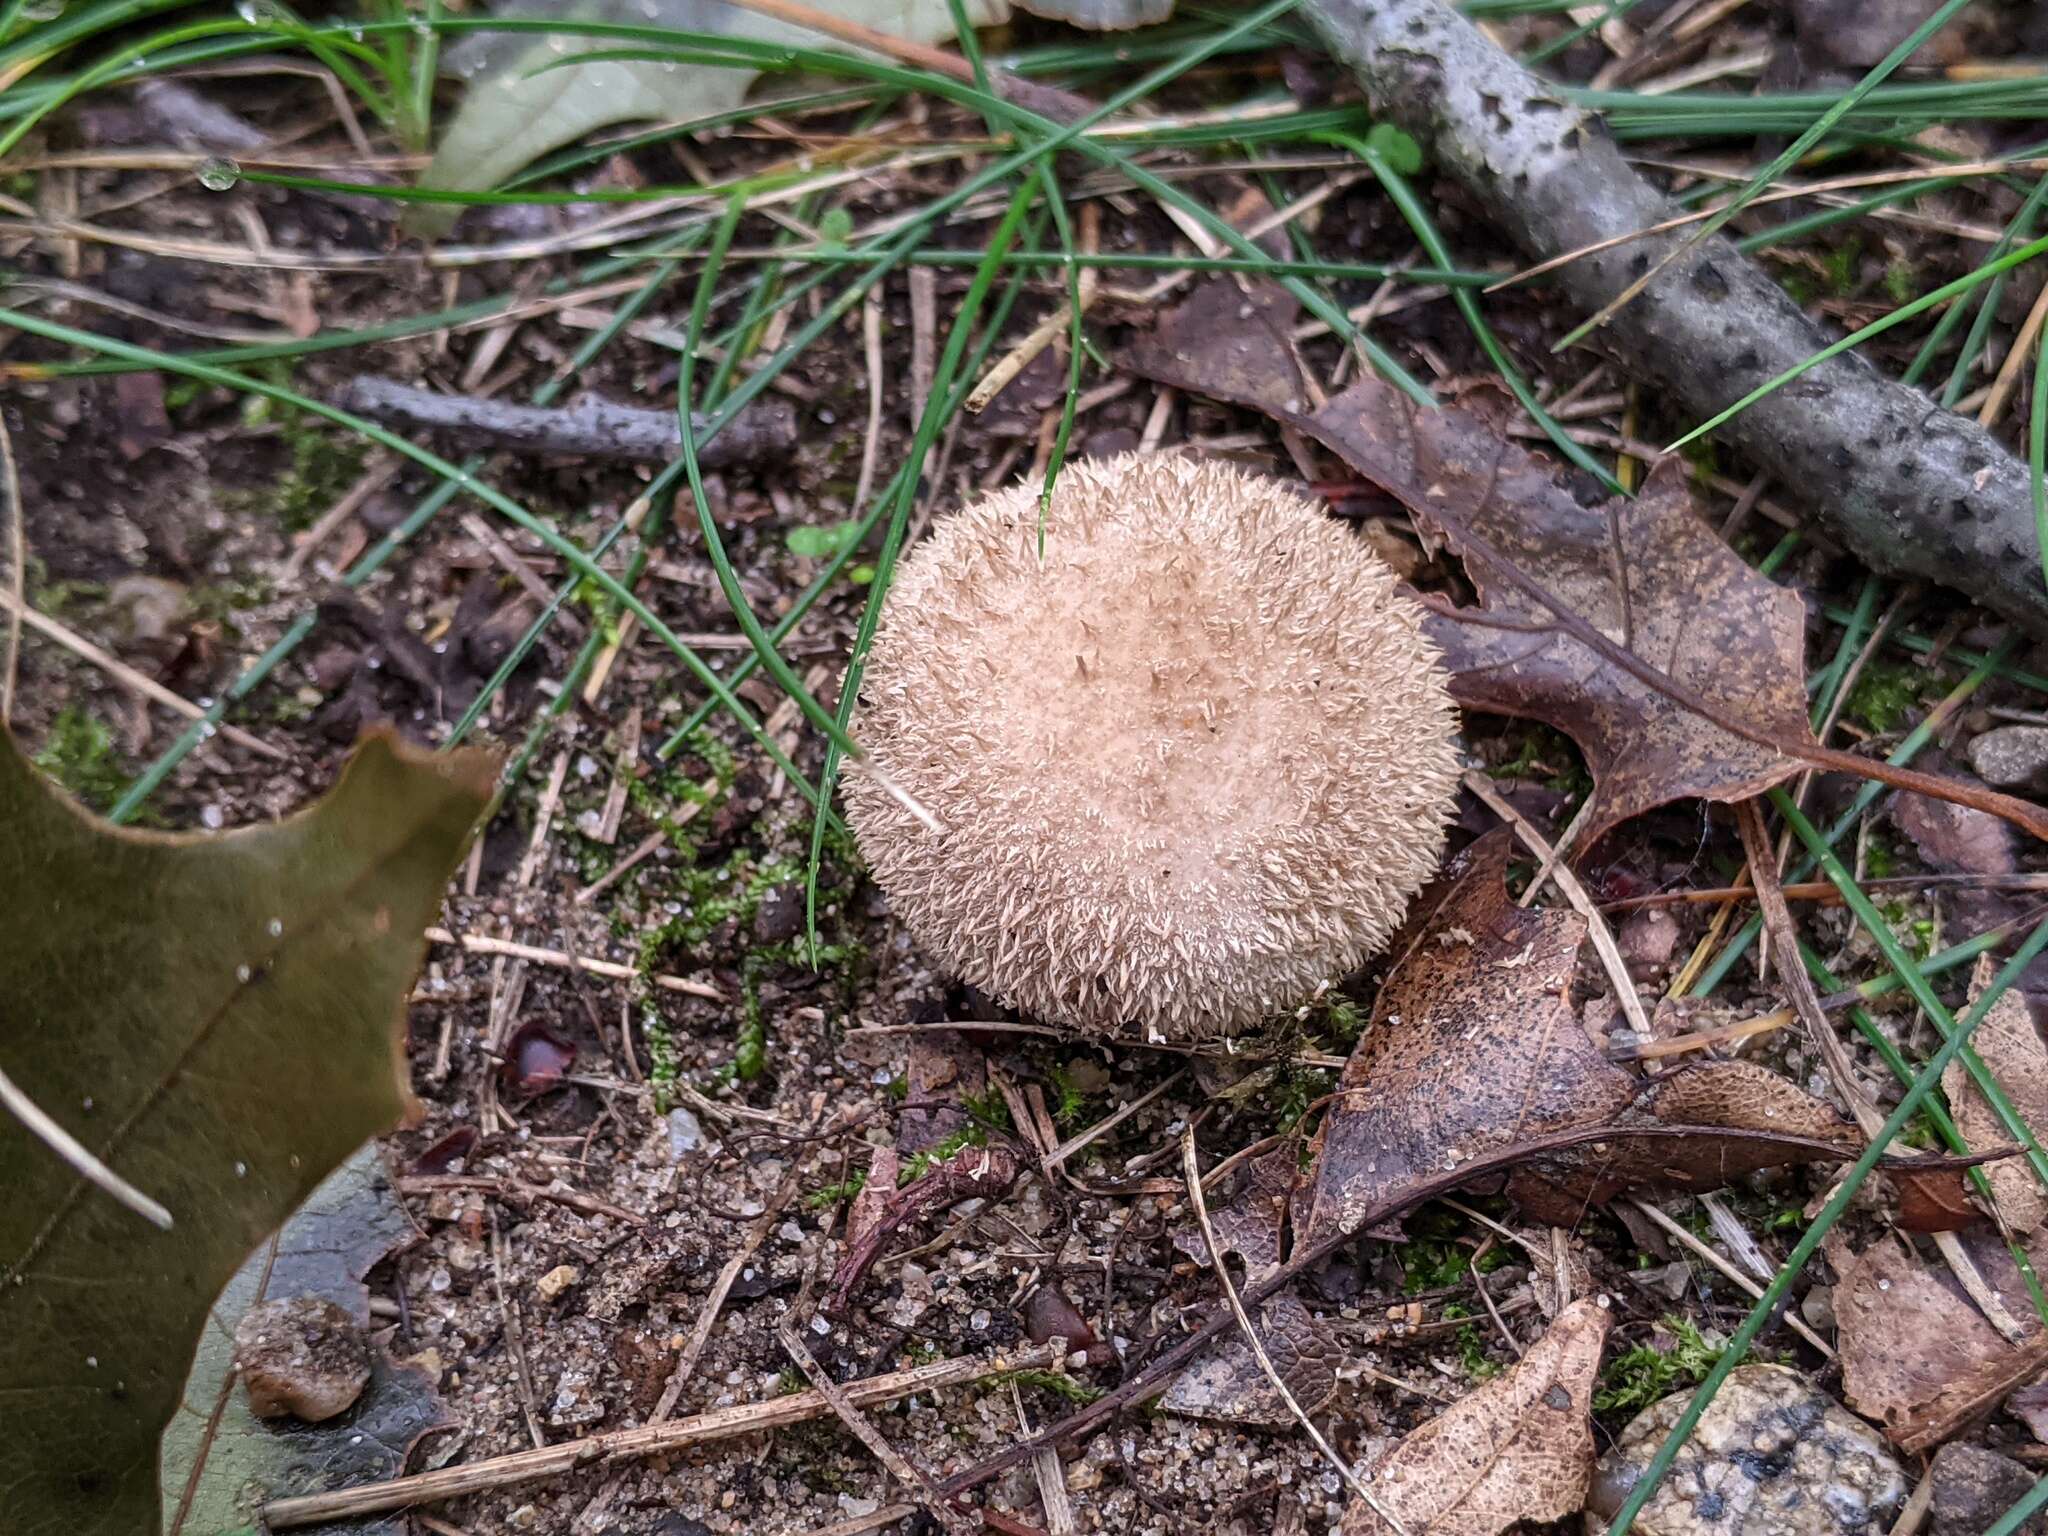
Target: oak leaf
219, 1019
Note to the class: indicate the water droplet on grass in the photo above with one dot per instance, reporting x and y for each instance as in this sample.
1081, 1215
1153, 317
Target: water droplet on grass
218, 175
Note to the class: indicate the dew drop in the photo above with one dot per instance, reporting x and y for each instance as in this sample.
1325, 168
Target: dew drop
243, 973
276, 927
218, 175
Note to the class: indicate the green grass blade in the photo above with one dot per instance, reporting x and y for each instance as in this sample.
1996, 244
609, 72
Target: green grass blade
463, 480
1809, 1242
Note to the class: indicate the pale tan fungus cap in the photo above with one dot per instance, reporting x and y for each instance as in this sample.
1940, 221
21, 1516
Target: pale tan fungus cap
1188, 766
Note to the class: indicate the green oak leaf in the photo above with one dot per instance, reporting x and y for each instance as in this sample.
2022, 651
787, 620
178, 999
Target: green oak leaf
219, 1019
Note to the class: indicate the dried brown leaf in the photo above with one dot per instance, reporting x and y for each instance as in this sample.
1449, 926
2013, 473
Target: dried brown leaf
1519, 1447
1226, 1381
1917, 1355
220, 1017
1962, 840
1476, 1050
1645, 571
970, 1173
1228, 341
1736, 1118
1474, 1044
2010, 1046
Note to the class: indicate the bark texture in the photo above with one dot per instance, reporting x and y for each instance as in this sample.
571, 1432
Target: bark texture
1912, 489
587, 428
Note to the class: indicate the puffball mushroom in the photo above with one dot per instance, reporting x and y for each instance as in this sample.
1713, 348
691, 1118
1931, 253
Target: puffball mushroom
1187, 764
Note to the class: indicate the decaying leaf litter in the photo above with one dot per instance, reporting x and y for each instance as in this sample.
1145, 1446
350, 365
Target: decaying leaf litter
655, 1159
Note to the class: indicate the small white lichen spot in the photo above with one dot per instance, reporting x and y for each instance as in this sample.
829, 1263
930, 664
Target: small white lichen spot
1187, 767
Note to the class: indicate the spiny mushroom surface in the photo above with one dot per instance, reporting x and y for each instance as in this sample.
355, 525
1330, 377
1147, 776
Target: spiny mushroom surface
1189, 764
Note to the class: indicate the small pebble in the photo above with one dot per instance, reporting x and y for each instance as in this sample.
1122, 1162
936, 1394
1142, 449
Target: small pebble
685, 1133
557, 1280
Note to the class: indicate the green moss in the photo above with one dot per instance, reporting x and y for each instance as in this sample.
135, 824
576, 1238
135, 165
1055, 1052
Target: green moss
1439, 1251
1644, 1375
1916, 933
1059, 1383
1844, 266
1345, 1018
711, 895
322, 462
832, 1194
221, 601
986, 1112
1472, 1353
54, 597
664, 1065
750, 1050
79, 754
1070, 1104
1886, 692
1548, 758
1294, 1089
821, 541
1900, 285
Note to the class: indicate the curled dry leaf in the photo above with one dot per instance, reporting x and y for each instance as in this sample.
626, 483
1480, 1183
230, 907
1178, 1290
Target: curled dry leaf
1917, 1355
1771, 1456
1519, 1447
1226, 1381
1475, 1051
1645, 571
2009, 1042
1962, 840
1698, 1128
536, 1059
227, 1028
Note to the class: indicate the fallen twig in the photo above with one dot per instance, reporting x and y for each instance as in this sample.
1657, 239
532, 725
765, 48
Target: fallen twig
1909, 487
590, 427
1784, 938
484, 944
78, 1156
1191, 1166
1748, 1286
905, 1471
17, 571
1624, 985
631, 1444
970, 1172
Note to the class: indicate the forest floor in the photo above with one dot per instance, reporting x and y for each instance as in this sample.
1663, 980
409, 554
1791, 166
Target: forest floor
612, 1175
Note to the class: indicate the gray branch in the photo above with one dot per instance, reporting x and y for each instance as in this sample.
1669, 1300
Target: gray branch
1912, 489
588, 428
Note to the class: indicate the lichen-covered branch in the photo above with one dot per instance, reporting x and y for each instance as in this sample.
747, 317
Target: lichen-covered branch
1912, 489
